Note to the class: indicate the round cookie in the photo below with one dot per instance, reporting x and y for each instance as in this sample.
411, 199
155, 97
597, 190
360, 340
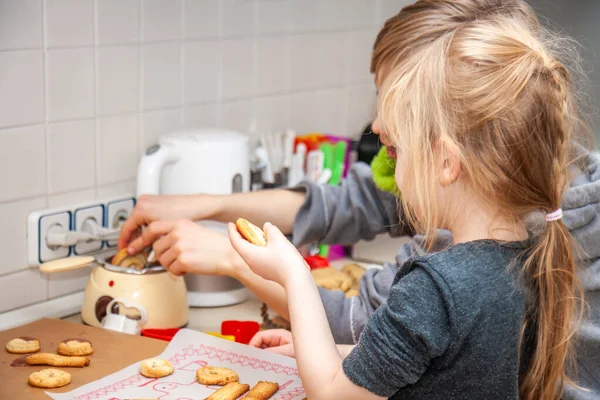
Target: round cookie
251, 232
75, 347
123, 259
216, 376
49, 378
156, 368
23, 345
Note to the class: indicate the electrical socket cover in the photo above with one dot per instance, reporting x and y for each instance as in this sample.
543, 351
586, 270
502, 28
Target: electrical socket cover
79, 217
39, 225
116, 214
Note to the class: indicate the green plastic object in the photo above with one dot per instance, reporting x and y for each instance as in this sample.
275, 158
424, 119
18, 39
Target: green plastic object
324, 250
383, 168
339, 161
327, 150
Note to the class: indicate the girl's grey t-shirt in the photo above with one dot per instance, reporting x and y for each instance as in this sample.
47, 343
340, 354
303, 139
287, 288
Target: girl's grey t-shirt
450, 328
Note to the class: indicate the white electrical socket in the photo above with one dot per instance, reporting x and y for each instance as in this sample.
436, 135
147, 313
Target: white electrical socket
116, 214
95, 213
39, 225
42, 222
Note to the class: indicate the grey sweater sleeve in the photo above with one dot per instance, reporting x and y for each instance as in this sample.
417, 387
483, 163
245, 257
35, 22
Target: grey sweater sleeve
345, 214
348, 316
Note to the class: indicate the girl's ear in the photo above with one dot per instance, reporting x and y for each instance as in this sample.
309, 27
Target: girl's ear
449, 163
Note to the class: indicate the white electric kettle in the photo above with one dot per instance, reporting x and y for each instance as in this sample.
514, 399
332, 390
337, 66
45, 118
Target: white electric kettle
210, 161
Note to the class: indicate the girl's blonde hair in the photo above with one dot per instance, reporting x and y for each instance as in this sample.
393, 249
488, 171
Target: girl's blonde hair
485, 76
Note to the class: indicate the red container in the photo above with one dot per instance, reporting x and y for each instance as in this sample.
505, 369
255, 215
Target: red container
315, 262
242, 330
162, 334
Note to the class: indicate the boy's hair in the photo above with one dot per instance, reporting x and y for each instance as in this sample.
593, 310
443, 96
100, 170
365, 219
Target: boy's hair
485, 76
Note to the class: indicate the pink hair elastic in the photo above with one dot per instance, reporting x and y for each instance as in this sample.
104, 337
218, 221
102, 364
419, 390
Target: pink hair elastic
554, 215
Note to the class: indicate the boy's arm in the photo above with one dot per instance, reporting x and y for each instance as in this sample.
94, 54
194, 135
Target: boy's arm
344, 214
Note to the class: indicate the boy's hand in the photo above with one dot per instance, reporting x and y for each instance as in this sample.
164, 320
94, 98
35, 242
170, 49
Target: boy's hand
278, 261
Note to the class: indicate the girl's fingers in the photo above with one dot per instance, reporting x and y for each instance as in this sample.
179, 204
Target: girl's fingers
240, 245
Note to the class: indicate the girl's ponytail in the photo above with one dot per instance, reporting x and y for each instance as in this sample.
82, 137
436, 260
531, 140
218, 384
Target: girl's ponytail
550, 272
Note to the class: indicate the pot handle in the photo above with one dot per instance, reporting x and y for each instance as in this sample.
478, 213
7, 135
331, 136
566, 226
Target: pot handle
65, 264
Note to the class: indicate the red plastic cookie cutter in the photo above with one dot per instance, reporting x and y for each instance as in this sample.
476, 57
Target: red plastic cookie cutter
315, 262
242, 330
161, 334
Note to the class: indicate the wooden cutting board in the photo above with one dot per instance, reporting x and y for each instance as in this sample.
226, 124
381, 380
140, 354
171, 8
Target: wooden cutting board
112, 352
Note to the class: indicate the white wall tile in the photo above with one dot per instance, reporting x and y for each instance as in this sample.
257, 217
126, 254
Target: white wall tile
331, 14
317, 60
70, 83
389, 8
20, 24
201, 71
67, 282
157, 123
360, 13
13, 287
273, 16
161, 76
361, 107
199, 117
331, 111
273, 65
304, 15
238, 17
118, 79
160, 20
22, 93
125, 189
118, 150
22, 162
73, 197
332, 56
302, 112
69, 22
305, 71
201, 19
323, 111
357, 58
236, 115
118, 21
237, 76
72, 156
272, 113
13, 239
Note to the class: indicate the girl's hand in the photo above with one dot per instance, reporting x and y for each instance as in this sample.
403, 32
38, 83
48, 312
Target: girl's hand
278, 261
275, 340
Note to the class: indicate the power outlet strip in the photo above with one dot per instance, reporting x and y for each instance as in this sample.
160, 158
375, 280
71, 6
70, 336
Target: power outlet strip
109, 213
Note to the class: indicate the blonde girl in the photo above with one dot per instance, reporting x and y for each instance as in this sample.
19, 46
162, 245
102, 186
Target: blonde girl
481, 115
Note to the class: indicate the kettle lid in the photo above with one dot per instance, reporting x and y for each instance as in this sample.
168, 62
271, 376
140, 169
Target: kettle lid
200, 136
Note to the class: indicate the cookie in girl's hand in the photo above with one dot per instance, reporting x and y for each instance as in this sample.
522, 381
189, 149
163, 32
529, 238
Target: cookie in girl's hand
251, 232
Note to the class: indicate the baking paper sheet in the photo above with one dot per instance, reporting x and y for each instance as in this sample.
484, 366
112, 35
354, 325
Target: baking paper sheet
188, 351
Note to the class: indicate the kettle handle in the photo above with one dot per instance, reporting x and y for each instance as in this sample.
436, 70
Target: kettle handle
151, 165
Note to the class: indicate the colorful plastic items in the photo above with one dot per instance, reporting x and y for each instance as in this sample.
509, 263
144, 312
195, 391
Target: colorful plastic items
226, 337
243, 331
315, 262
